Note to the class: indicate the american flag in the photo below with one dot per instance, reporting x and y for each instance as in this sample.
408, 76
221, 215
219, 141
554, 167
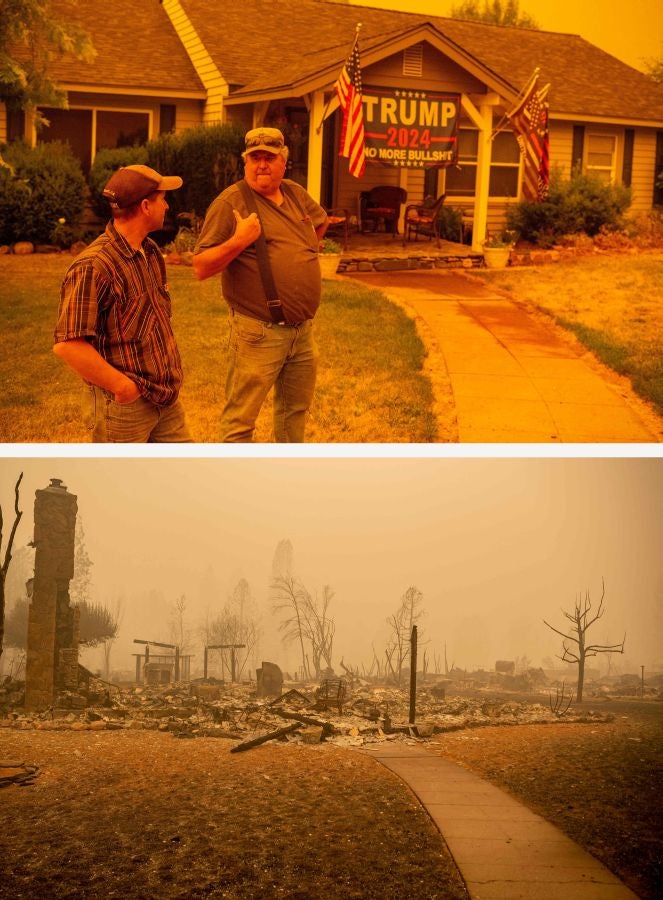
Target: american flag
529, 120
348, 90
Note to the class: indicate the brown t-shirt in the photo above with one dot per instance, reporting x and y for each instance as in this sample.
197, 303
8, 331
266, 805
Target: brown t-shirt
292, 246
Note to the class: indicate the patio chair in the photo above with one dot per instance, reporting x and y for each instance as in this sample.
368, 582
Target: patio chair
339, 223
382, 204
423, 219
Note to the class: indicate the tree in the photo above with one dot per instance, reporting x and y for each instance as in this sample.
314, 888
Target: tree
494, 12
237, 625
4, 567
319, 627
400, 623
582, 618
30, 39
116, 615
282, 563
655, 68
289, 598
80, 586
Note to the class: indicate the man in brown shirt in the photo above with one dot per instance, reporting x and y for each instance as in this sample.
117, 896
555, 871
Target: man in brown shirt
271, 339
114, 326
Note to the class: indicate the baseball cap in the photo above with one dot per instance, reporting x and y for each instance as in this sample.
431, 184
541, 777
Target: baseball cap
269, 139
131, 184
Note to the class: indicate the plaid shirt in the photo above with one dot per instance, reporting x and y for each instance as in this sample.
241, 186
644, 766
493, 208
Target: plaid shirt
117, 297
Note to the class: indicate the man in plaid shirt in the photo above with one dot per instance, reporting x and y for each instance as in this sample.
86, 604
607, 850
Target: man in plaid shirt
114, 327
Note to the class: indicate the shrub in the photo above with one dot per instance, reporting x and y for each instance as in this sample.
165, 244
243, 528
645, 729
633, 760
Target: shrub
449, 223
581, 204
39, 187
105, 163
207, 158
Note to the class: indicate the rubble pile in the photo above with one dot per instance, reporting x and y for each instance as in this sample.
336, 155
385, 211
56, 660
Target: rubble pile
302, 713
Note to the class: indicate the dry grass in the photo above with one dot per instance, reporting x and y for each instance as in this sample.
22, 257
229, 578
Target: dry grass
371, 385
142, 814
612, 302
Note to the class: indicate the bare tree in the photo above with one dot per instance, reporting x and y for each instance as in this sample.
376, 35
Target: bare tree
116, 613
400, 624
582, 618
319, 628
4, 568
178, 629
289, 598
237, 625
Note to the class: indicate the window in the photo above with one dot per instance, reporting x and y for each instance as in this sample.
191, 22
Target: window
504, 168
167, 116
107, 127
600, 159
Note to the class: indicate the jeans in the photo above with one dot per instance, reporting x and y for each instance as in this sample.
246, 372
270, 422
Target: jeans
263, 355
138, 422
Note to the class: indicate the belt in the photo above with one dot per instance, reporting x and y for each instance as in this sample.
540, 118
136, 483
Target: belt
269, 322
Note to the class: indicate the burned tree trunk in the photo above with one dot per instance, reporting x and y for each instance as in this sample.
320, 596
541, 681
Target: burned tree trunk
4, 568
582, 620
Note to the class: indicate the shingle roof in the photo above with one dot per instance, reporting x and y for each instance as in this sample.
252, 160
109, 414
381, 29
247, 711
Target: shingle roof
263, 44
137, 48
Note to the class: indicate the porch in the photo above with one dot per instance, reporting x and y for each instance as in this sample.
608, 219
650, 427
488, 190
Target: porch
382, 252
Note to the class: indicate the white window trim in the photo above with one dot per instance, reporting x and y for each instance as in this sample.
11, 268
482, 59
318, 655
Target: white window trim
613, 168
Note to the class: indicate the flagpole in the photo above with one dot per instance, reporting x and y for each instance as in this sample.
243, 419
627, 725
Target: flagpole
521, 96
324, 111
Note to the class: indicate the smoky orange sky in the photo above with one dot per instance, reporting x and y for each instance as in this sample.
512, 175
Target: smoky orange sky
633, 31
495, 545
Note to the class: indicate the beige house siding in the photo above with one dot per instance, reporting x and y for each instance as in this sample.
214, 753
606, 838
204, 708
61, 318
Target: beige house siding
561, 147
189, 115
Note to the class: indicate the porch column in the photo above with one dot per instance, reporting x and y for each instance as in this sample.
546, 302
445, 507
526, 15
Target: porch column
484, 156
482, 118
316, 106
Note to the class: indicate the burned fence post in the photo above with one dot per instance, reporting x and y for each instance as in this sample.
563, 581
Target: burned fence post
413, 675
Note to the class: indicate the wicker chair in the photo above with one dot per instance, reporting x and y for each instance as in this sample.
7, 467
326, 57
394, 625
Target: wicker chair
423, 219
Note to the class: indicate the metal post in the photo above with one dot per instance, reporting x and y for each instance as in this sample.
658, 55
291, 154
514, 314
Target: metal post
205, 666
413, 675
177, 664
643, 680
232, 664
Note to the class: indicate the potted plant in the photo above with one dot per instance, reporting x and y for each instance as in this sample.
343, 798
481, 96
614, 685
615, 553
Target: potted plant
329, 254
497, 249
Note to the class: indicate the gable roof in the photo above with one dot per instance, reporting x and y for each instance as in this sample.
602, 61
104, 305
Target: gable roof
261, 46
138, 50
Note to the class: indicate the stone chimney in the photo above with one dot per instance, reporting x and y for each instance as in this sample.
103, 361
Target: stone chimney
52, 660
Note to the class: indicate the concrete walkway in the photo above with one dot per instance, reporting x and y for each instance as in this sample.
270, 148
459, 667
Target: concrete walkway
502, 849
511, 375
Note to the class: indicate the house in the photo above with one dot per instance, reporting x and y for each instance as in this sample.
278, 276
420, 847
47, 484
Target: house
166, 66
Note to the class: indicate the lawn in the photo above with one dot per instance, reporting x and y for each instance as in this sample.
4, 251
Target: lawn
612, 303
371, 387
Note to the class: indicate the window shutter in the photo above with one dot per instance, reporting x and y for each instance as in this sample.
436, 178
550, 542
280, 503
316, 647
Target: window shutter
658, 170
627, 167
578, 147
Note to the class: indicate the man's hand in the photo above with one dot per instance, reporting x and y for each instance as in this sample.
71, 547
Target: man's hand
247, 230
127, 393
215, 259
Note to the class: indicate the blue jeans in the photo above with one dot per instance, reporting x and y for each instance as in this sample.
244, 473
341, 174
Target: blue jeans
263, 355
138, 422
